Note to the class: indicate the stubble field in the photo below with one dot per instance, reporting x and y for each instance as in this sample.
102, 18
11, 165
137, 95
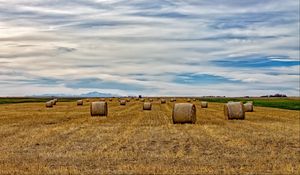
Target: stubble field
66, 140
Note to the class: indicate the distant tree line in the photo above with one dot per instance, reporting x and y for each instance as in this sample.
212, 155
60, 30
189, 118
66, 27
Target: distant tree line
275, 95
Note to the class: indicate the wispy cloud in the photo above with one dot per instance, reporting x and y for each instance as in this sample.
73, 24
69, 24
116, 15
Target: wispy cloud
158, 47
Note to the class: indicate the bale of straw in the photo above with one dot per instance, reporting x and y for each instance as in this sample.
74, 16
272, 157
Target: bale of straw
250, 102
110, 99
102, 99
142, 100
184, 113
194, 99
204, 104
49, 104
147, 106
87, 100
51, 101
234, 110
99, 108
172, 100
248, 107
123, 102
163, 101
54, 101
188, 100
79, 102
151, 100
128, 100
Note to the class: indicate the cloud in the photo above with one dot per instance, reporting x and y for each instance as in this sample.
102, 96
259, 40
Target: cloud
158, 47
246, 20
162, 15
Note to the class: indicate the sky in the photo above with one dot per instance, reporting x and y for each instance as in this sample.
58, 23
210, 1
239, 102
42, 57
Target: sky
157, 47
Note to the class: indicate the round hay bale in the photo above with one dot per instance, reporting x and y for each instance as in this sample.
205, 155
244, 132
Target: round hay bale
194, 99
87, 100
184, 113
172, 100
234, 110
151, 100
163, 101
250, 102
54, 101
110, 99
147, 106
188, 100
99, 108
127, 100
248, 107
49, 104
123, 102
142, 100
79, 102
102, 99
204, 104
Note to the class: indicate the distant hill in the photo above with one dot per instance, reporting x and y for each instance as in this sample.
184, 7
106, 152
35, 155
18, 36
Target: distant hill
89, 94
98, 94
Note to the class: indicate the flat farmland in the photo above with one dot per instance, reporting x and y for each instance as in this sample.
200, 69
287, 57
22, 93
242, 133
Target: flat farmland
65, 139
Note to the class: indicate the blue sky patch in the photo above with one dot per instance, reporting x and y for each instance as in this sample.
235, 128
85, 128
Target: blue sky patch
188, 78
256, 62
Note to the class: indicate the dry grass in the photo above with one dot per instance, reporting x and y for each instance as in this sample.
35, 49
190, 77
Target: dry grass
66, 140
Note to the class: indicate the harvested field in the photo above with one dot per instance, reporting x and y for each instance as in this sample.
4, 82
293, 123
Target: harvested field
65, 139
